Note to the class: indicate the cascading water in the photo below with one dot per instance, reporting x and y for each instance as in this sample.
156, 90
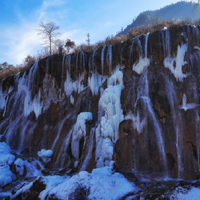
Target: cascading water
95, 80
165, 38
102, 59
143, 60
143, 94
109, 58
144, 106
26, 100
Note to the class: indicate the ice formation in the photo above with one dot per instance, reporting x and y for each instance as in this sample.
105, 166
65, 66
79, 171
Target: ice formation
186, 106
143, 60
6, 159
79, 131
49, 92
110, 115
178, 61
137, 123
45, 155
95, 81
71, 85
51, 182
19, 166
25, 87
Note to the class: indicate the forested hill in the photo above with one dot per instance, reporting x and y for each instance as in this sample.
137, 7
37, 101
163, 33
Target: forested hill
178, 11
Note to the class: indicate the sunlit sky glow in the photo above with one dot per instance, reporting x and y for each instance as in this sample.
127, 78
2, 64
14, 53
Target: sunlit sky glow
19, 20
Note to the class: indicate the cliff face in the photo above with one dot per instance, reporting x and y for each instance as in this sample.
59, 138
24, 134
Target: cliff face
135, 104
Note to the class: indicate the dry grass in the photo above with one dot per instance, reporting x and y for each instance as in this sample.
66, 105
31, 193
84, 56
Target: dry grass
11, 71
135, 32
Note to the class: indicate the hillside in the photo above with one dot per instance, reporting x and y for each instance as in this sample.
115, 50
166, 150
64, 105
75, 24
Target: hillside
178, 11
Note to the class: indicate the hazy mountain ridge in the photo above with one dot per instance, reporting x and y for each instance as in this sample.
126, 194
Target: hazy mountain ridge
178, 11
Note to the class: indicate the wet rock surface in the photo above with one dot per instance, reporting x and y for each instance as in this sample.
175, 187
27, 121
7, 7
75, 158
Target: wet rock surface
157, 132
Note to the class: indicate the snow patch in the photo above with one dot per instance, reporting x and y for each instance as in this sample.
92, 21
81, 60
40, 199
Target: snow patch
184, 194
102, 183
51, 182
33, 168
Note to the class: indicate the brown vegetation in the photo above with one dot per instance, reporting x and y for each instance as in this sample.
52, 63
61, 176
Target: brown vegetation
135, 32
11, 71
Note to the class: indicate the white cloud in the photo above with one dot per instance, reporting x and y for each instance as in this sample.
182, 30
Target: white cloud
19, 42
49, 3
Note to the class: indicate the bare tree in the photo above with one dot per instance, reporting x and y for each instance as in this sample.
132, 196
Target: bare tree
59, 46
49, 32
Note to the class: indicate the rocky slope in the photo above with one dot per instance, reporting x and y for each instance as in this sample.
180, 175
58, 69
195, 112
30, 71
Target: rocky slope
134, 105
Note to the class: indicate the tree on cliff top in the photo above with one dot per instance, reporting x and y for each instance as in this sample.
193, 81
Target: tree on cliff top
49, 32
69, 45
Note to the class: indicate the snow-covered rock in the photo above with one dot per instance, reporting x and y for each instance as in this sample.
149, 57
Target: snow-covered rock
45, 155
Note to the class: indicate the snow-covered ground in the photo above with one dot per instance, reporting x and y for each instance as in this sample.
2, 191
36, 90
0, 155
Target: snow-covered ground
101, 183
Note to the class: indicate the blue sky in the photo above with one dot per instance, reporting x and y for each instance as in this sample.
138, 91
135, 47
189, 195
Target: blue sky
19, 20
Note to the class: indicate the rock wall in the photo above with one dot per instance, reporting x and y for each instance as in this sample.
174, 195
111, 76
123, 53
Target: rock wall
134, 105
